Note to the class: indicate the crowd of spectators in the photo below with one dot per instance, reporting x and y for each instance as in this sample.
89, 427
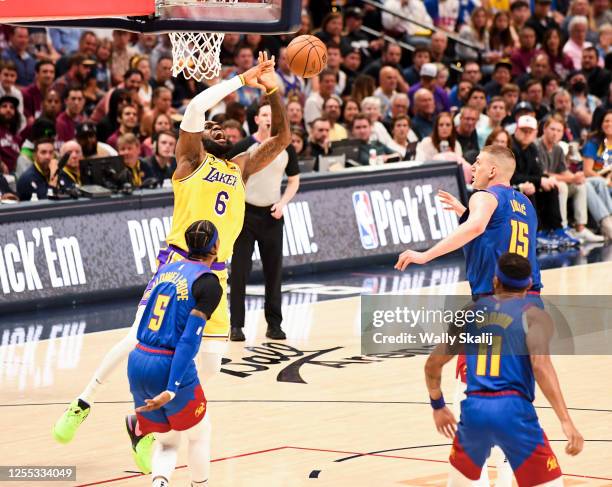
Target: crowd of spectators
536, 77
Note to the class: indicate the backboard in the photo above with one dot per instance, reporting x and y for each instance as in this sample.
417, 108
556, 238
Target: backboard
151, 16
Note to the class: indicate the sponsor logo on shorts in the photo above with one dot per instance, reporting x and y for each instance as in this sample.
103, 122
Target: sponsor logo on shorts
200, 410
552, 464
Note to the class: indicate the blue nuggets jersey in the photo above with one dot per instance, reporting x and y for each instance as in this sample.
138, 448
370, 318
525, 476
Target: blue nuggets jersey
512, 228
503, 364
169, 303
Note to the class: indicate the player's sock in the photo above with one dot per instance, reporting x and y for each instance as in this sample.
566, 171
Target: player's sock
114, 357
457, 479
199, 450
504, 471
165, 452
160, 482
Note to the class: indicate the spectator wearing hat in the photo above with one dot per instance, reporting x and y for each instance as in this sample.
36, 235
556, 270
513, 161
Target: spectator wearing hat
521, 57
428, 74
88, 140
34, 93
37, 179
529, 178
520, 109
66, 122
598, 78
10, 141
357, 39
17, 52
79, 68
502, 75
541, 20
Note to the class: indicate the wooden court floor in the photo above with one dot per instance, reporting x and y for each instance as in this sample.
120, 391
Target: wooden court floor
309, 412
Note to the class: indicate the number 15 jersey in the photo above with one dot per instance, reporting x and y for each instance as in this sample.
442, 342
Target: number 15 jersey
214, 191
512, 228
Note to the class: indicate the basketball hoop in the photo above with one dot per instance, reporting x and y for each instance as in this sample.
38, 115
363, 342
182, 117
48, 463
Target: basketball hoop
196, 54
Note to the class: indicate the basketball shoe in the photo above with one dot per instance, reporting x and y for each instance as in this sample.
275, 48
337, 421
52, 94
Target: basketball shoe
66, 426
142, 445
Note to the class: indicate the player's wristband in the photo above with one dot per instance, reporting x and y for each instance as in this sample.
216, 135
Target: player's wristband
242, 80
437, 403
273, 90
172, 394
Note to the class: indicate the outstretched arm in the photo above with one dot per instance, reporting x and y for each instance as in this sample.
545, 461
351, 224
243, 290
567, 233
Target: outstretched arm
538, 337
265, 153
482, 205
189, 149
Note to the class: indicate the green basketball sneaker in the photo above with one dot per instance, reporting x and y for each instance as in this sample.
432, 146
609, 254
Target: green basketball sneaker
142, 445
66, 427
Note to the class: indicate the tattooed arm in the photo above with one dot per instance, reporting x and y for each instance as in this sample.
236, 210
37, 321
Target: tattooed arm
264, 154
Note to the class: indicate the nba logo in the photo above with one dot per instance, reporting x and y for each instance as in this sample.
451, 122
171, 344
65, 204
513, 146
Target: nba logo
365, 220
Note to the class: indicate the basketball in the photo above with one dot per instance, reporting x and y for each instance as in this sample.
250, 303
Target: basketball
307, 56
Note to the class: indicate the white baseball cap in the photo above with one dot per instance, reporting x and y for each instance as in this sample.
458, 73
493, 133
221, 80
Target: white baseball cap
429, 69
527, 121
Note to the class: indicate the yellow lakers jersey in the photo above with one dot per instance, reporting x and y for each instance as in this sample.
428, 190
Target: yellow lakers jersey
214, 191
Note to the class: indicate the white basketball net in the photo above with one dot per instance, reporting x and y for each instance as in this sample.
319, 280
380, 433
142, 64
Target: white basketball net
196, 54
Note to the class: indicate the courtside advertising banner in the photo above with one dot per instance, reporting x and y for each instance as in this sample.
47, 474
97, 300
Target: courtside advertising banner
93, 253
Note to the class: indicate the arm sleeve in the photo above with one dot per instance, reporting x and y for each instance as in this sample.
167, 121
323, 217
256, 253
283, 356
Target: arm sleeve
195, 114
293, 168
186, 350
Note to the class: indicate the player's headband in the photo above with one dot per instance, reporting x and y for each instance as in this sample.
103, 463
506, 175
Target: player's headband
208, 247
512, 282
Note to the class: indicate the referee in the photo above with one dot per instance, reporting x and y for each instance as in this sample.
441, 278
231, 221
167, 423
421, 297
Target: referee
263, 223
